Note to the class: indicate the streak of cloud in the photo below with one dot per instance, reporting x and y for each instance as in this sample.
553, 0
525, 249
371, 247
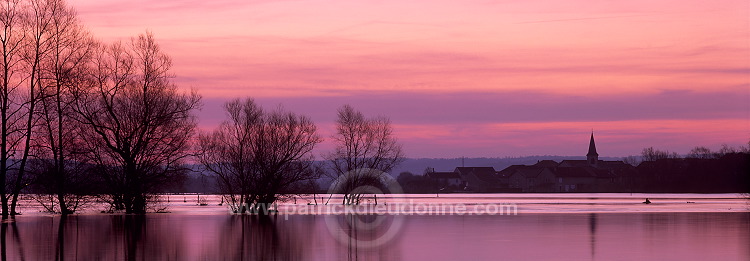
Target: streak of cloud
463, 78
583, 19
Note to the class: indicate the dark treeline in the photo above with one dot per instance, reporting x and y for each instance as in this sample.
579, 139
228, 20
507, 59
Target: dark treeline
699, 171
417, 184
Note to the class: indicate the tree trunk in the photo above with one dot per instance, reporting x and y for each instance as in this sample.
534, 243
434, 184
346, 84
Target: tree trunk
5, 205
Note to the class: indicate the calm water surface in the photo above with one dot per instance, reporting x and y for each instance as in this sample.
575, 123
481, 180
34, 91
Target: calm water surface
216, 235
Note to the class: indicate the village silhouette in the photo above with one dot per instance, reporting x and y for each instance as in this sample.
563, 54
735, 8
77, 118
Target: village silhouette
717, 172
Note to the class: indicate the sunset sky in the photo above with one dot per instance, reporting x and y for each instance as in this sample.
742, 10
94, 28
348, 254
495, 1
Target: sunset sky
467, 78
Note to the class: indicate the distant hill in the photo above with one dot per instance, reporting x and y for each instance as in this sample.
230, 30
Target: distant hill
417, 166
194, 182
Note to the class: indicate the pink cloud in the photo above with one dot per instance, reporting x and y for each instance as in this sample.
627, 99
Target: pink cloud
466, 78
530, 123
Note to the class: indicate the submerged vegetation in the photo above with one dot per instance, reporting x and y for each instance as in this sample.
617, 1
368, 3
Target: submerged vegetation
257, 154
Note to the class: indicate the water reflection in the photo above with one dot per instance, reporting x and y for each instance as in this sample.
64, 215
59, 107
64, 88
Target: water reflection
129, 237
245, 237
367, 236
592, 232
4, 227
629, 236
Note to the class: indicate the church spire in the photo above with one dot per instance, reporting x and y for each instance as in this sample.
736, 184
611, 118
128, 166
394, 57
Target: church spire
592, 156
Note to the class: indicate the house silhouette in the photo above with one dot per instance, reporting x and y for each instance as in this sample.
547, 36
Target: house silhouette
589, 175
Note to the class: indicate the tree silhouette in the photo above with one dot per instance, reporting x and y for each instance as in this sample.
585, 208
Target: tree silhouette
651, 154
30, 30
12, 103
137, 125
57, 139
362, 145
701, 152
255, 154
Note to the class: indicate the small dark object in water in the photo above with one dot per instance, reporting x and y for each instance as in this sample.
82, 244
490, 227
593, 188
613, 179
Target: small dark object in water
647, 201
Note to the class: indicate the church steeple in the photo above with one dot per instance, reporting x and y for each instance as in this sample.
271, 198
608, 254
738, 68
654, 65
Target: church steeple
592, 156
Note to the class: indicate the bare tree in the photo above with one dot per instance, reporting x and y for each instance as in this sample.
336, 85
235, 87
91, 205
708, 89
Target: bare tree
651, 154
701, 152
365, 148
13, 41
37, 27
726, 149
25, 42
64, 68
256, 155
137, 125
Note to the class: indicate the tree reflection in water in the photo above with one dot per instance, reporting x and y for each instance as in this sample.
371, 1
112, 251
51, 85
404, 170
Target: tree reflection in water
150, 237
366, 237
249, 237
90, 238
589, 236
592, 233
14, 237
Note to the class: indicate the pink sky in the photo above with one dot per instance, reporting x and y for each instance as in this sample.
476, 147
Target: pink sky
468, 78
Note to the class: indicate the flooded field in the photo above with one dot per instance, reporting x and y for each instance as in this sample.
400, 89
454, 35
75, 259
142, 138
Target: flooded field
543, 227
524, 202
